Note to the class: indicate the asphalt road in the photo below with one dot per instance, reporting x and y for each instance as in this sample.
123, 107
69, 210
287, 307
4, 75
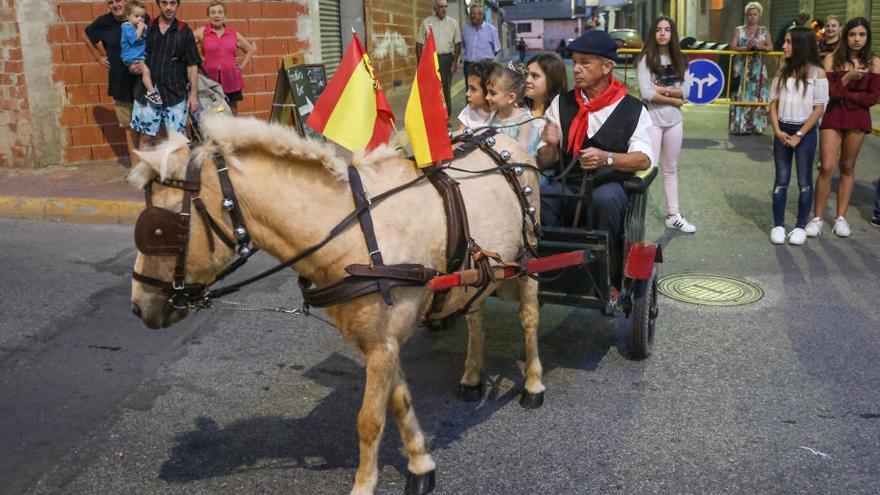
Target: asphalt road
780, 396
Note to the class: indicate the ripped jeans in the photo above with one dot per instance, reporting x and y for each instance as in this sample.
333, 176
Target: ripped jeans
804, 155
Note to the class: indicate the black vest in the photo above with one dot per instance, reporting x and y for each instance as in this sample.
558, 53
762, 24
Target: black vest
614, 134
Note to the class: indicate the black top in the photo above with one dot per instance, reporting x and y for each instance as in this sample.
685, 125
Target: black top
613, 136
168, 56
107, 30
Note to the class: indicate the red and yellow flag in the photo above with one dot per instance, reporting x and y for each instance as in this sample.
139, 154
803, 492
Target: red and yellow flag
426, 117
352, 110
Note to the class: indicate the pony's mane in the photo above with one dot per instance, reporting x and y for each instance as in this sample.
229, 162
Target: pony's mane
230, 135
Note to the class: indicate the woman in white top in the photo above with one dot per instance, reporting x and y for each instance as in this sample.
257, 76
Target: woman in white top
797, 100
661, 70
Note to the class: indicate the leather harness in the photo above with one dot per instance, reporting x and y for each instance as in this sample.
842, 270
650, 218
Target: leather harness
462, 251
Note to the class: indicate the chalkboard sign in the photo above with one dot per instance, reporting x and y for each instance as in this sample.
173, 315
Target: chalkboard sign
298, 88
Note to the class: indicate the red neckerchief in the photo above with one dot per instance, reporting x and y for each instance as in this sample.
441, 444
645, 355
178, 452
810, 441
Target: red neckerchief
577, 131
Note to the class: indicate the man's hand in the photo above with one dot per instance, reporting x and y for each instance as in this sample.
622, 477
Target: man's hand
593, 158
104, 60
193, 104
551, 134
136, 68
454, 66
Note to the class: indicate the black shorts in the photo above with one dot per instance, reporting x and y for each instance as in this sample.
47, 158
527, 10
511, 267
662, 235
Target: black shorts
234, 96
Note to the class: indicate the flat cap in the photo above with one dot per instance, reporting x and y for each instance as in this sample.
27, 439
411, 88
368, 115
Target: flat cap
595, 42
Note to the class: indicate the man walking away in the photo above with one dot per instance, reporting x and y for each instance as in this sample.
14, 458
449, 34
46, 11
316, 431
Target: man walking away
174, 59
447, 37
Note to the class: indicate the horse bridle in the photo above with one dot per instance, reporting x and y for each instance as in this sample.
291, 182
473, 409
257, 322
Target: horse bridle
162, 232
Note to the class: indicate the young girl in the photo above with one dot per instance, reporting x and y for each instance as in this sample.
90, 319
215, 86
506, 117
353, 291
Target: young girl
797, 100
545, 78
476, 113
134, 45
854, 86
661, 70
505, 92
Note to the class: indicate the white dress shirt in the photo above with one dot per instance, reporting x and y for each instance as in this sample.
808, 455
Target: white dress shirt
639, 141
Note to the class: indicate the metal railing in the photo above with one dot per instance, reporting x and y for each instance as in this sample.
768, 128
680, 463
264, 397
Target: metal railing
724, 58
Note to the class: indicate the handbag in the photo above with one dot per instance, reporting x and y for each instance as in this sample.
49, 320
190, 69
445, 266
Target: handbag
211, 97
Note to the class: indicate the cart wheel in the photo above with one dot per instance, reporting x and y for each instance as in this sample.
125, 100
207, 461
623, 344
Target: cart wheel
644, 313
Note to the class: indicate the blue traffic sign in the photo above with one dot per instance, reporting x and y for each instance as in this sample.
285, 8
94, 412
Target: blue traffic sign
706, 81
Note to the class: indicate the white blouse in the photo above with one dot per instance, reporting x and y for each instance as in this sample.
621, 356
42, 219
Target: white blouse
473, 118
796, 103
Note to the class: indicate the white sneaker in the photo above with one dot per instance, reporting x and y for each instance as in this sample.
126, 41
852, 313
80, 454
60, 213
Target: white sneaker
777, 235
797, 237
678, 222
841, 227
814, 227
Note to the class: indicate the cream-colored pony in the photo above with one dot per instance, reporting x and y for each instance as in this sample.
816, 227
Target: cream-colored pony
292, 191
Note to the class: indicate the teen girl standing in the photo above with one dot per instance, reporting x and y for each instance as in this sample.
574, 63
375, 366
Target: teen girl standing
661, 70
854, 86
797, 100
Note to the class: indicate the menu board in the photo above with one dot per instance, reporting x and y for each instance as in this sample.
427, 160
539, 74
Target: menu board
297, 89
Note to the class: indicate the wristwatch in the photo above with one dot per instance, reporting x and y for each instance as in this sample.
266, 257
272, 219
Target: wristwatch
610, 160
799, 134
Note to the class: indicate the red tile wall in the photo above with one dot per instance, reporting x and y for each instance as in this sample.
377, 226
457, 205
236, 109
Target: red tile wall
16, 141
88, 117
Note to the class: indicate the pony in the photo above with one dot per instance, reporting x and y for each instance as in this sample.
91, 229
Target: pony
291, 192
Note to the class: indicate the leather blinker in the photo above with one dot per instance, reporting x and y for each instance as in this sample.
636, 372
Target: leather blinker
158, 232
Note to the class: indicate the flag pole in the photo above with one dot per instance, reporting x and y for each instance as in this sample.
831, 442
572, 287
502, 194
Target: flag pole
399, 139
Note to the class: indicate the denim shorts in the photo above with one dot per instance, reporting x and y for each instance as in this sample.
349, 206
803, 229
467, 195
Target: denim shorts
148, 119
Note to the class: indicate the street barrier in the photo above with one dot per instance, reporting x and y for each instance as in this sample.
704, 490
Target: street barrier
724, 58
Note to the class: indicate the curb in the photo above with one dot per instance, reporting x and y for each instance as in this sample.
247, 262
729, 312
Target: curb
80, 210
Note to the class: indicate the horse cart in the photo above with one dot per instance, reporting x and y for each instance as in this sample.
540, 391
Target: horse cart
353, 231
582, 267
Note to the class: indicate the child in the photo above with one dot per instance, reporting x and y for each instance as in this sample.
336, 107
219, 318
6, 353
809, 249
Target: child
476, 113
504, 94
661, 70
797, 100
134, 45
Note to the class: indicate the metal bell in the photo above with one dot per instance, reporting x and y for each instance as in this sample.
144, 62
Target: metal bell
518, 170
505, 155
157, 232
531, 210
240, 232
528, 190
244, 251
228, 204
490, 141
468, 131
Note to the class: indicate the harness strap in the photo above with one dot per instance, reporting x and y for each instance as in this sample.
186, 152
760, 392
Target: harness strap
363, 281
230, 203
366, 222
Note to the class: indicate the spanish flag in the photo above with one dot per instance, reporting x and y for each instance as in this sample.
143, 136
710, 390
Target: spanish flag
426, 117
352, 110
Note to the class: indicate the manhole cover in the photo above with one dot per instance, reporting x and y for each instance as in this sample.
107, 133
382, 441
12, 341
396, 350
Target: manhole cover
709, 289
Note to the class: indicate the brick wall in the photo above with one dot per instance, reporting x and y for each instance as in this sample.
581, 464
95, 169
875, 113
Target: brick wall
16, 134
392, 27
87, 116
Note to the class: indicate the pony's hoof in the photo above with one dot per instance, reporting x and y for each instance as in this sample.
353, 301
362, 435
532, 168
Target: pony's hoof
470, 393
531, 401
419, 484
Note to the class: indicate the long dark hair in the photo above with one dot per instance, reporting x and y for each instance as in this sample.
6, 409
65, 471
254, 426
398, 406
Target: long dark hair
842, 55
804, 52
651, 51
554, 72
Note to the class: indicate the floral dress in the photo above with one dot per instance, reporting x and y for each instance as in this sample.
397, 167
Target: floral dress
749, 119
